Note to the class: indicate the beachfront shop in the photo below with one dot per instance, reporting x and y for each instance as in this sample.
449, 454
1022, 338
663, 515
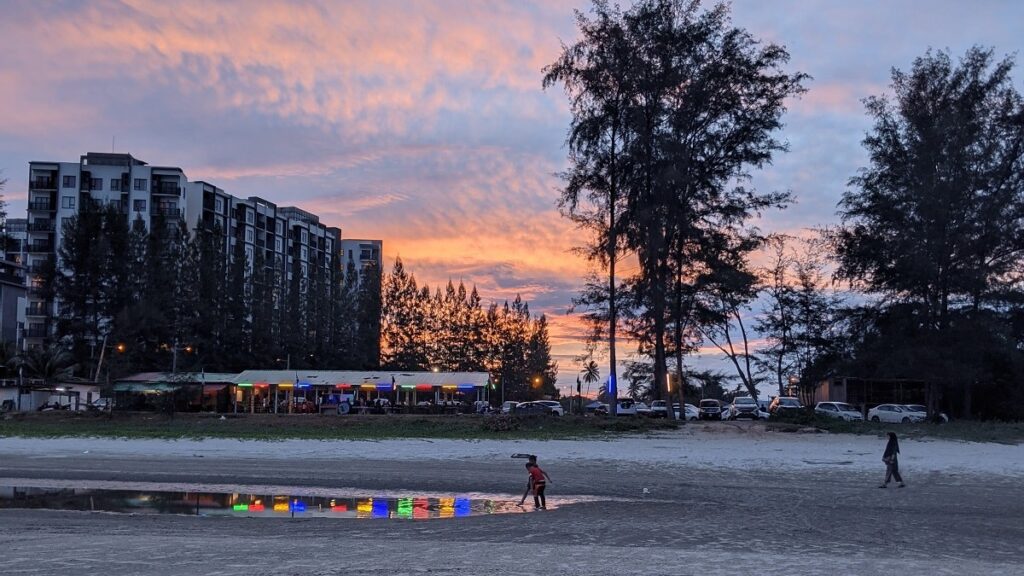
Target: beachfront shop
178, 391
303, 392
327, 391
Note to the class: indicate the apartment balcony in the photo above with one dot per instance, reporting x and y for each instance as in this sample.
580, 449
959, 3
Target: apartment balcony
13, 276
168, 213
41, 206
43, 184
37, 267
41, 226
38, 309
40, 247
165, 188
34, 332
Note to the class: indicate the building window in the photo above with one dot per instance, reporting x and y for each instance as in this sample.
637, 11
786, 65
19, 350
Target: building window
328, 245
67, 201
96, 184
140, 184
249, 217
220, 222
304, 253
139, 205
280, 229
115, 184
69, 181
64, 223
278, 245
218, 205
248, 234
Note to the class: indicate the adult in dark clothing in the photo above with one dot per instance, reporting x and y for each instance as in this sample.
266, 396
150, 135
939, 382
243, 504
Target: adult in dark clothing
892, 461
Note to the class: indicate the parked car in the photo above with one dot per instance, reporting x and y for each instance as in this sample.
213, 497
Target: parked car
710, 410
659, 409
840, 410
692, 413
893, 413
532, 409
743, 407
922, 410
556, 407
507, 407
782, 404
100, 405
642, 409
626, 407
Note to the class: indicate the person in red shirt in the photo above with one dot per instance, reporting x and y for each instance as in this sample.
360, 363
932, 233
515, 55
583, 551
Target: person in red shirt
538, 481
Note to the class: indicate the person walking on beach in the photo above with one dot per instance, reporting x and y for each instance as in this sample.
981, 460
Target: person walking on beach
892, 462
538, 482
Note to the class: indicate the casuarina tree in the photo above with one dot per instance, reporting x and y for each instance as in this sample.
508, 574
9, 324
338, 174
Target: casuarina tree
933, 224
672, 107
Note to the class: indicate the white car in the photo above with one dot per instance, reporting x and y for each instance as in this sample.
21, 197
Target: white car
893, 413
626, 407
556, 407
659, 409
840, 410
507, 406
922, 411
691, 411
642, 409
742, 407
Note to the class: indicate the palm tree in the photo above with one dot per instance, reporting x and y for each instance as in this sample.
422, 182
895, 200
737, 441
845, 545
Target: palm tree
49, 364
591, 373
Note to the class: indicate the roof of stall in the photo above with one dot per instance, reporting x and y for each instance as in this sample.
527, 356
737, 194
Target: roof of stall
181, 377
353, 378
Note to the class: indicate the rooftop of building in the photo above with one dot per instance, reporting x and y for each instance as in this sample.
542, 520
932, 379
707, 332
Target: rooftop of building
110, 159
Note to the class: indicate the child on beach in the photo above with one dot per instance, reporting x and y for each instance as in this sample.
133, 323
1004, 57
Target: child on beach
537, 483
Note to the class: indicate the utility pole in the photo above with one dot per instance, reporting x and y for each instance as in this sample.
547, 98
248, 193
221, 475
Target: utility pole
99, 365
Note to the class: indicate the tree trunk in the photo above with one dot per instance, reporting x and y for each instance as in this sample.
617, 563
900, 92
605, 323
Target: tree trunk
613, 391
680, 375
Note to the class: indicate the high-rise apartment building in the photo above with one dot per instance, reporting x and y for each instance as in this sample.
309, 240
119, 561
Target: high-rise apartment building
288, 238
361, 253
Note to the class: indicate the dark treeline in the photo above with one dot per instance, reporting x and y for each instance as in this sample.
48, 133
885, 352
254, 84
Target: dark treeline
163, 299
453, 332
673, 107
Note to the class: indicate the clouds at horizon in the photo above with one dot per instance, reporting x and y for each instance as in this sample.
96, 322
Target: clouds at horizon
423, 124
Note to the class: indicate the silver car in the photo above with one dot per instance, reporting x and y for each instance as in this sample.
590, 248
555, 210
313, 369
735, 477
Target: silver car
840, 410
893, 413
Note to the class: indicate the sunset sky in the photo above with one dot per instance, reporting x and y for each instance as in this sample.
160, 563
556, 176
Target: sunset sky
420, 123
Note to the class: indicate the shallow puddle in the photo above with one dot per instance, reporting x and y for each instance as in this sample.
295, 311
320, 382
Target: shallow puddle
251, 505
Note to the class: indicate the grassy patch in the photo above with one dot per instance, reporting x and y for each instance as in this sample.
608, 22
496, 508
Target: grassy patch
966, 430
326, 427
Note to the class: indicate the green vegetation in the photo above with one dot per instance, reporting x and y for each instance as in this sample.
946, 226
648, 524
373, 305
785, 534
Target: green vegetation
314, 427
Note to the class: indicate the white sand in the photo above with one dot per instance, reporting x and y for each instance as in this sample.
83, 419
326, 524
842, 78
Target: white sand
694, 447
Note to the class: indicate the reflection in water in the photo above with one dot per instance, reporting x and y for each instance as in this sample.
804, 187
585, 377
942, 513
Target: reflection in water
252, 505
